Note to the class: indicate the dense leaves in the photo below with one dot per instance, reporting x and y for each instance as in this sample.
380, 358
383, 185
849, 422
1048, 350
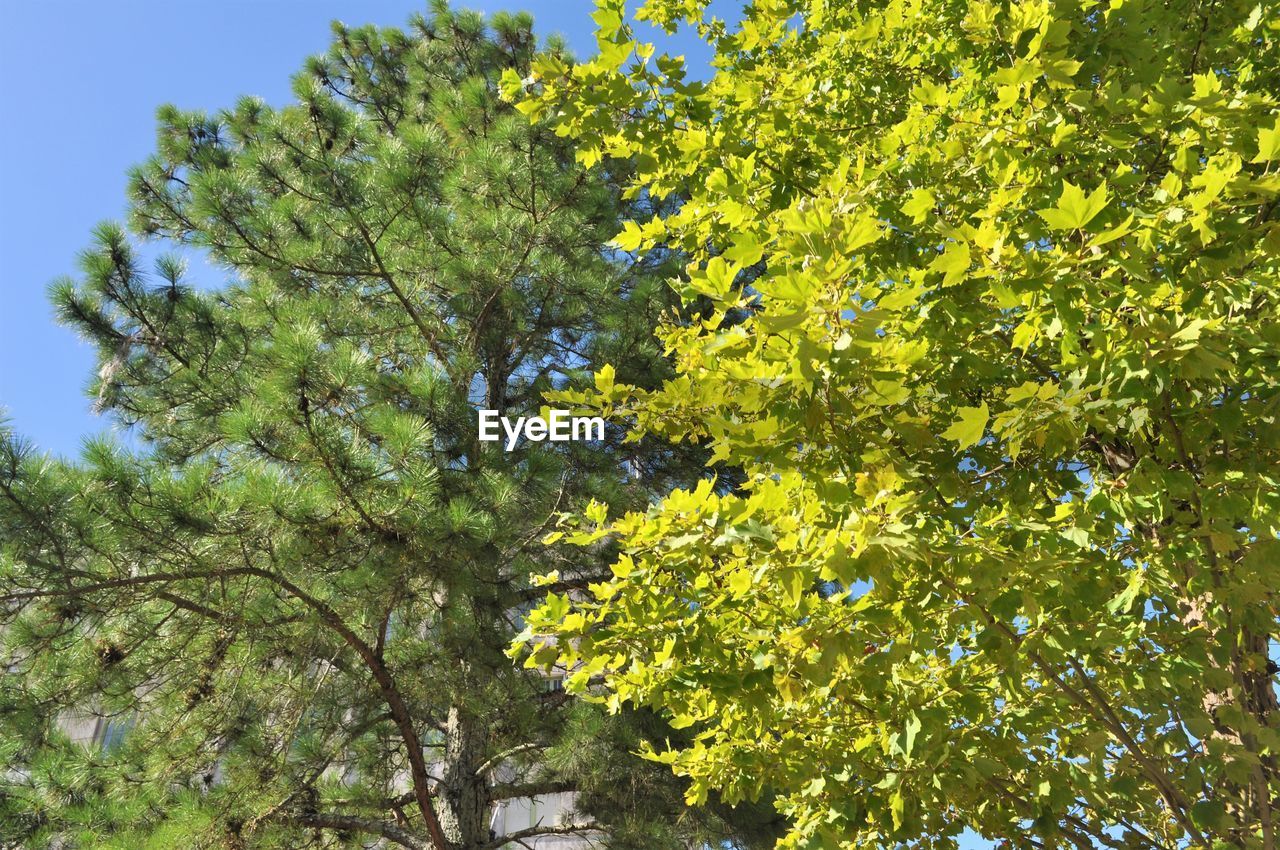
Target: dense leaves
298, 590
988, 298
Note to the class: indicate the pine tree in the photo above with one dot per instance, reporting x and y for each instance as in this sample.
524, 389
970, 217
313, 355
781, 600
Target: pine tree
300, 589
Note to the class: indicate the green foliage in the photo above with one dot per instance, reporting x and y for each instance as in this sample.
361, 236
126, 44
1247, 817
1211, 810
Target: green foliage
302, 586
1001, 381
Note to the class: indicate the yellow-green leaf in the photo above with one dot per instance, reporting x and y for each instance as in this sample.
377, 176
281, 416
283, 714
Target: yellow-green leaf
968, 428
1075, 209
1268, 143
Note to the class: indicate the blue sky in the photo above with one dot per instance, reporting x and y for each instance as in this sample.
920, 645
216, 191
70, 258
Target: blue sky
82, 81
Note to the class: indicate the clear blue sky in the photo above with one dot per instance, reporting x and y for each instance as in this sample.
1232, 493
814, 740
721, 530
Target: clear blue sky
81, 82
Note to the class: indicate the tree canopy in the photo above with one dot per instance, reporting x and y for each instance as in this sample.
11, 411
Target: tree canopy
300, 584
984, 307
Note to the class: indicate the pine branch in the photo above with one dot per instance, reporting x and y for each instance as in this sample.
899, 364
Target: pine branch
336, 820
535, 831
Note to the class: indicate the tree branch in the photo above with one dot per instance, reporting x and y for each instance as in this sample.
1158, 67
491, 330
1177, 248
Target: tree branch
534, 831
335, 820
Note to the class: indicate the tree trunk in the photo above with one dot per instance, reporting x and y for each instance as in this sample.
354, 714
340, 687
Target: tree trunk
465, 810
1251, 803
